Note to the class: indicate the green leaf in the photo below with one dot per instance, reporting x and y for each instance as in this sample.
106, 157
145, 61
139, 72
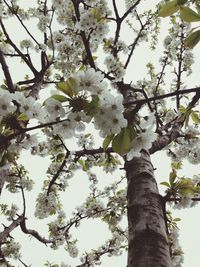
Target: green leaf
22, 117
165, 184
188, 15
195, 117
122, 142
176, 165
67, 87
60, 98
192, 39
172, 176
177, 220
185, 191
85, 166
185, 186
168, 9
107, 140
182, 109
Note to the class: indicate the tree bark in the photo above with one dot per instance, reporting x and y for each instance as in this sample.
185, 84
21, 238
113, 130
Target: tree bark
148, 245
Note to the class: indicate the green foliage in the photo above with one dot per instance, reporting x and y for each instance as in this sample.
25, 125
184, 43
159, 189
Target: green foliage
67, 87
171, 222
60, 98
192, 39
182, 109
177, 165
195, 117
107, 141
188, 15
122, 142
22, 117
180, 186
168, 9
84, 164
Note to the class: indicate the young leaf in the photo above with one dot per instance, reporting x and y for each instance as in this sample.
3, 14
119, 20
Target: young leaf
188, 15
60, 98
195, 117
107, 141
165, 184
182, 109
176, 165
172, 176
85, 166
168, 9
177, 220
192, 39
122, 142
22, 117
67, 87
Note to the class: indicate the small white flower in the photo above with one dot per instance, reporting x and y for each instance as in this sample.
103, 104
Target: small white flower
26, 106
6, 105
142, 141
89, 80
55, 108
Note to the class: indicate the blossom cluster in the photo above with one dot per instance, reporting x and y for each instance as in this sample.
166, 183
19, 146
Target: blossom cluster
108, 117
175, 50
11, 249
46, 205
188, 147
93, 21
177, 253
16, 178
115, 67
144, 139
188, 200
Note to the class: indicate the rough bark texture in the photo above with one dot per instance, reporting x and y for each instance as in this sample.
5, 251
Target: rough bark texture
148, 246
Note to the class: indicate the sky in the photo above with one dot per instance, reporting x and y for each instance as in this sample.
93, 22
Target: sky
35, 253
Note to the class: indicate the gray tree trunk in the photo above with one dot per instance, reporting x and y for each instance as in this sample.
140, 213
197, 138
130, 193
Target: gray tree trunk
148, 246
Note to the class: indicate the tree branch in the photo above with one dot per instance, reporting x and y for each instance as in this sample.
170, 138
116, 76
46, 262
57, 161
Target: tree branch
33, 233
28, 63
6, 73
8, 229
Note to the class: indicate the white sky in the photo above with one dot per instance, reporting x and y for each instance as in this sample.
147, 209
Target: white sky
36, 253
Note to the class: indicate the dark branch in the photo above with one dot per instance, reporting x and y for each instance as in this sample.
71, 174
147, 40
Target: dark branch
6, 72
34, 233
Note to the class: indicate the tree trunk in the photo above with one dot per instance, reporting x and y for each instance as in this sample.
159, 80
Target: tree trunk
148, 246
